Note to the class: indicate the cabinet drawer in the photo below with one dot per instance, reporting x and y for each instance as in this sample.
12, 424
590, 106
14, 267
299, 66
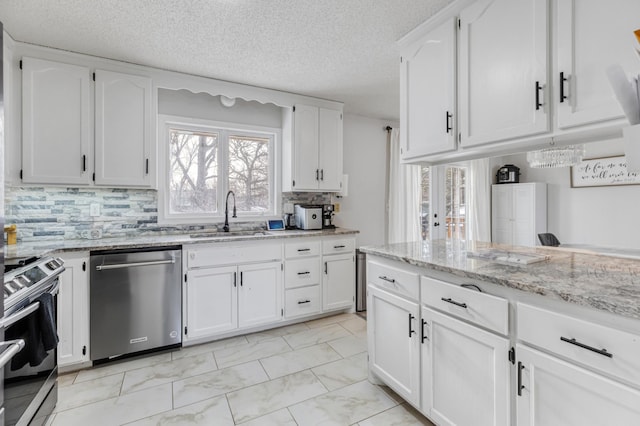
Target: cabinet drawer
482, 309
394, 279
342, 245
302, 272
581, 341
223, 254
300, 249
302, 301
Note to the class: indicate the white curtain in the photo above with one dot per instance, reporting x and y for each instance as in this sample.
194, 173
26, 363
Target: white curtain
479, 200
404, 196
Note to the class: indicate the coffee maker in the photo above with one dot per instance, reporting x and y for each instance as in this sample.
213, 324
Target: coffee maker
327, 216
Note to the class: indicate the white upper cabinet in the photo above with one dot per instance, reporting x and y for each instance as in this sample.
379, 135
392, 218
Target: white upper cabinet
312, 151
503, 70
591, 36
123, 129
56, 127
519, 213
428, 84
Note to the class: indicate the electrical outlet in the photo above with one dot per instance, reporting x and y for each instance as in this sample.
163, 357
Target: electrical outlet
336, 208
94, 210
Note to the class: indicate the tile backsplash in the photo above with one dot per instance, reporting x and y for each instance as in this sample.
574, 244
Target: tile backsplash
51, 213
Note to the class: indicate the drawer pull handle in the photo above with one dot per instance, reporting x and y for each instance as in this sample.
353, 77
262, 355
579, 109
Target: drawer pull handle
520, 385
411, 331
590, 348
423, 336
338, 247
304, 273
471, 286
453, 302
307, 249
389, 280
302, 302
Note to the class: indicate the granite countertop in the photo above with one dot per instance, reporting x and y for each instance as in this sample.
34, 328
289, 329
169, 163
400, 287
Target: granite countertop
603, 282
39, 248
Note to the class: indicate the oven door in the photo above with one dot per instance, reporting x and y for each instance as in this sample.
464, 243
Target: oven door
30, 392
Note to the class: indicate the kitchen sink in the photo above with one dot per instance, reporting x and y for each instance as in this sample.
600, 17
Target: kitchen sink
230, 234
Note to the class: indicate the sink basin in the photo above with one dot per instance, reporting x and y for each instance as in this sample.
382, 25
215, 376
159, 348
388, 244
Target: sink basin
230, 234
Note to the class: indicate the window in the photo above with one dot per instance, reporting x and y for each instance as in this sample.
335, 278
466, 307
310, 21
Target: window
443, 207
204, 160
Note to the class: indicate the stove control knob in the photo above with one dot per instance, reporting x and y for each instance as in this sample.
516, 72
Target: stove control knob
18, 283
50, 265
9, 288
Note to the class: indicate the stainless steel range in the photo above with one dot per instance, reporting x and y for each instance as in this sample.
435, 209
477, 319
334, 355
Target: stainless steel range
29, 360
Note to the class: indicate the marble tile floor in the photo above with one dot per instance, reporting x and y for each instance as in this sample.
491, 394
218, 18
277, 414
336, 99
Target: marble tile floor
312, 373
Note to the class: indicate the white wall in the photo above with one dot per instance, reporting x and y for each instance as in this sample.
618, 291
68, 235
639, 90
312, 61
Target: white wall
365, 158
605, 216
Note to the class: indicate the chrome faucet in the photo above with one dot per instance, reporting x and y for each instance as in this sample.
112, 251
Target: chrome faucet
225, 228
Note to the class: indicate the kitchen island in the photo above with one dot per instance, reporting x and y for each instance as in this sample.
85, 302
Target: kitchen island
486, 334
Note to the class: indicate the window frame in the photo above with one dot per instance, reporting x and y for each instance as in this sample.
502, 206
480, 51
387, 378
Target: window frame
224, 130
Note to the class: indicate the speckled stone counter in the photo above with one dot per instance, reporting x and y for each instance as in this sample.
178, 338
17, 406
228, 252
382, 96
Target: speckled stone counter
29, 249
603, 282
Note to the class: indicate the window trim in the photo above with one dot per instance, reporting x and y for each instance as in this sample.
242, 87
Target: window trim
166, 122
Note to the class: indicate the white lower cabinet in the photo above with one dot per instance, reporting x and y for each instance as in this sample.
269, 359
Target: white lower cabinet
339, 278
260, 294
394, 344
211, 301
465, 372
73, 310
555, 392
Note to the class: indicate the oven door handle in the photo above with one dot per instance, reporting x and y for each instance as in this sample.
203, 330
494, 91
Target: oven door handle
15, 347
12, 319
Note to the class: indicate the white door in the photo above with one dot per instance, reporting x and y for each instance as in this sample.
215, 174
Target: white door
305, 141
502, 214
260, 293
524, 209
123, 129
465, 373
428, 94
394, 344
73, 311
339, 281
503, 70
582, 55
555, 392
212, 301
56, 126
330, 149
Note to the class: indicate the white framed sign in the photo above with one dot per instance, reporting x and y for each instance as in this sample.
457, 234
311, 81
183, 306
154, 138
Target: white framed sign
606, 171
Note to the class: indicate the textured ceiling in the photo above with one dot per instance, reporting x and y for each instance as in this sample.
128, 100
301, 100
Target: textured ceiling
341, 50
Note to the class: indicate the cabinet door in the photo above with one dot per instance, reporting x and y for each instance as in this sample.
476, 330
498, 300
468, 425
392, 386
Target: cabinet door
462, 363
56, 128
583, 55
330, 149
428, 94
260, 293
339, 281
211, 301
123, 129
555, 392
73, 311
503, 70
523, 205
305, 139
501, 214
394, 345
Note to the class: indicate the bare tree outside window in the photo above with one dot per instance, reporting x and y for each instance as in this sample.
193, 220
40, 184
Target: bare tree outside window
249, 172
194, 172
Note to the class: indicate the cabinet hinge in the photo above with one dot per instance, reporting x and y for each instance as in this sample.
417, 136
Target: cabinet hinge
94, 76
185, 330
84, 266
512, 355
294, 108
84, 350
20, 174
185, 278
20, 63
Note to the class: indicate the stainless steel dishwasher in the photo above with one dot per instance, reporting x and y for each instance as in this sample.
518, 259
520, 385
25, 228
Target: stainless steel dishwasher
135, 301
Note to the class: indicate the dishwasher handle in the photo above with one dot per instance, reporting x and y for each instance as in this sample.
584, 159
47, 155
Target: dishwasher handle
134, 264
